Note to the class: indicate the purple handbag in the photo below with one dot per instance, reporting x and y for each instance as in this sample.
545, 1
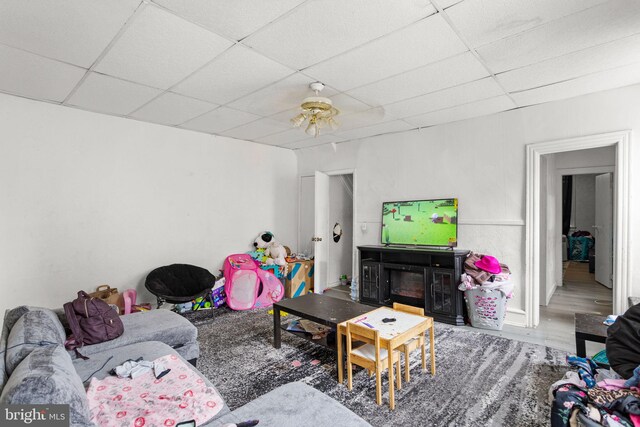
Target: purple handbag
91, 321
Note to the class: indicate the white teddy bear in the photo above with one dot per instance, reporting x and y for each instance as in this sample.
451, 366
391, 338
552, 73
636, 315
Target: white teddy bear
274, 251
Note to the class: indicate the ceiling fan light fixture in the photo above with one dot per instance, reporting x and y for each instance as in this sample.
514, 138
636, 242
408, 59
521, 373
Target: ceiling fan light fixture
298, 120
318, 110
312, 129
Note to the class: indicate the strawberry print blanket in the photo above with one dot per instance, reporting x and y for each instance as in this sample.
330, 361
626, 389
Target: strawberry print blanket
180, 395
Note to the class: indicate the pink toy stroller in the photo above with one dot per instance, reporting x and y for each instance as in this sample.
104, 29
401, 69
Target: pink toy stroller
248, 286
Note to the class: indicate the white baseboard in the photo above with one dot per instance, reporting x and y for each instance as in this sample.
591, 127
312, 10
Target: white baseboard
516, 317
550, 293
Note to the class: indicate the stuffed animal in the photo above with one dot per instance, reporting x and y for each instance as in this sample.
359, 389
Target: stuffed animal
274, 251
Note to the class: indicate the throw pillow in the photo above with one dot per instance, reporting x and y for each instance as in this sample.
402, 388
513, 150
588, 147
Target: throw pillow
34, 329
47, 376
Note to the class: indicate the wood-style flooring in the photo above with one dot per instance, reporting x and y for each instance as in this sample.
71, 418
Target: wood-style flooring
580, 293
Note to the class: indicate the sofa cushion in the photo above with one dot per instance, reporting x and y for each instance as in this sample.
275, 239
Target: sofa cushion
101, 363
155, 325
10, 317
47, 376
35, 328
292, 405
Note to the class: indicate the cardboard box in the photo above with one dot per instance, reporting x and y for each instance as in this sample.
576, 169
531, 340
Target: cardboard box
299, 278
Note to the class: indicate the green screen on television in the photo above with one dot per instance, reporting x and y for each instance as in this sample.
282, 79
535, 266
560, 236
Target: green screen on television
420, 222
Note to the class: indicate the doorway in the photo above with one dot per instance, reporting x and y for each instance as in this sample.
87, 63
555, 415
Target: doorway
587, 223
326, 229
542, 239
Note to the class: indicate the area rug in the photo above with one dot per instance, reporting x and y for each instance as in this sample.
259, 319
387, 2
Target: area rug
200, 317
481, 380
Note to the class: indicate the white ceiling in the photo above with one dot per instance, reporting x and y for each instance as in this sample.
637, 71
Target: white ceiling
240, 68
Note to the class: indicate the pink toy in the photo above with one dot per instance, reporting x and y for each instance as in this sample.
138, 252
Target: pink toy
129, 297
247, 286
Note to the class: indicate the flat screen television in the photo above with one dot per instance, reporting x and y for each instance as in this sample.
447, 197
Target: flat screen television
420, 222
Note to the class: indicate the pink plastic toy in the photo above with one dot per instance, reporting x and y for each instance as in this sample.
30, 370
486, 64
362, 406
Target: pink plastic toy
247, 286
129, 297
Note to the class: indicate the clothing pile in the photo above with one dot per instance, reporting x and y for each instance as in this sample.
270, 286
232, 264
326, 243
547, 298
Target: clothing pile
593, 396
486, 273
487, 286
580, 242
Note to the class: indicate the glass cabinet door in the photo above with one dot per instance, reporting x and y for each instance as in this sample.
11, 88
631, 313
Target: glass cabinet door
442, 291
370, 280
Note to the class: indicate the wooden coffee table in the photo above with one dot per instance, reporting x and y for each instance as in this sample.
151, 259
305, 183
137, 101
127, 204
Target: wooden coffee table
318, 308
589, 327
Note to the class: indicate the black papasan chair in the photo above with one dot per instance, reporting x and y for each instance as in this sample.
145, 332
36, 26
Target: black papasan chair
180, 283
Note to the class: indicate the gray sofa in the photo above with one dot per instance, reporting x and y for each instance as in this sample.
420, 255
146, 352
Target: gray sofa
35, 368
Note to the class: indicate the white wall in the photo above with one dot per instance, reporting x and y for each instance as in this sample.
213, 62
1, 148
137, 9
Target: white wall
482, 162
87, 199
340, 211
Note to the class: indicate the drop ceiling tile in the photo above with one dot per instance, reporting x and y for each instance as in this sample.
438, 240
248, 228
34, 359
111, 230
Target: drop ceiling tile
159, 49
106, 94
483, 22
348, 105
74, 31
430, 78
283, 95
235, 19
283, 138
313, 142
286, 115
235, 73
379, 129
461, 112
422, 43
26, 74
600, 24
446, 98
219, 120
598, 58
255, 130
444, 4
361, 119
604, 80
172, 109
318, 30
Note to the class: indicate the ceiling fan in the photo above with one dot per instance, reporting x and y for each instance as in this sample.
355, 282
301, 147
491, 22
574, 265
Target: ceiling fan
317, 112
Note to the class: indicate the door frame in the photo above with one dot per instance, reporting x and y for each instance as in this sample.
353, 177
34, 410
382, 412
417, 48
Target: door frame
621, 220
354, 252
300, 207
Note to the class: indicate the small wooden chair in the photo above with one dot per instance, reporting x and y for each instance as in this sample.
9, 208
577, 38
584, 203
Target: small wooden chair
419, 341
369, 356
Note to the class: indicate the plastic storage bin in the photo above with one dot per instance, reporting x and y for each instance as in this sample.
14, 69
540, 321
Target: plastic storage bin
487, 308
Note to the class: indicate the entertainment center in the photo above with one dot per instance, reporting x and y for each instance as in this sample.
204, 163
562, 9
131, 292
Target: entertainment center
418, 276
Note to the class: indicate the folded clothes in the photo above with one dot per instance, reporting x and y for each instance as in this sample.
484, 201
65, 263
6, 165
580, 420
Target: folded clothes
611, 384
586, 369
610, 320
135, 368
601, 396
635, 379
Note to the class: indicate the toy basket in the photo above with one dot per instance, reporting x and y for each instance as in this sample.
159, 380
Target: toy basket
487, 308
